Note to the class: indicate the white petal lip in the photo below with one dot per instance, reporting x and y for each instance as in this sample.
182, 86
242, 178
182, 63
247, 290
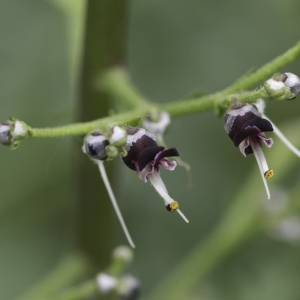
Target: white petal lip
160, 187
114, 201
261, 161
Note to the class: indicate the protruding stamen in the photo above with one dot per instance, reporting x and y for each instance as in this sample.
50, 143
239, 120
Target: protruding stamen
160, 187
283, 138
261, 161
114, 202
173, 206
269, 174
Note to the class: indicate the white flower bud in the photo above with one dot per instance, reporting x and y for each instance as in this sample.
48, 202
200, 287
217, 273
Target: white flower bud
106, 282
5, 137
124, 253
128, 287
19, 130
118, 136
275, 85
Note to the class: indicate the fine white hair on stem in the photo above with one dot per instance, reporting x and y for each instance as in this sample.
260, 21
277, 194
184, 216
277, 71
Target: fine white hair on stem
261, 161
114, 201
281, 136
160, 187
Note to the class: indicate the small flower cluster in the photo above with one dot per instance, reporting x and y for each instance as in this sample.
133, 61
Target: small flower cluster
246, 124
284, 86
12, 132
141, 153
114, 282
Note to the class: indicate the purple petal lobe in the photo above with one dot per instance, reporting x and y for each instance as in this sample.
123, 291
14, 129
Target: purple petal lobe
167, 153
169, 165
147, 155
135, 150
252, 127
243, 134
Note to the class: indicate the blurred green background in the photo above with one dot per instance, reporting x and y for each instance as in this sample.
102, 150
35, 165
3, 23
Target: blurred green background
173, 48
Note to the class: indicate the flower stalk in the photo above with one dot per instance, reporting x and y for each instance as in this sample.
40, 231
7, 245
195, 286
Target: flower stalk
177, 108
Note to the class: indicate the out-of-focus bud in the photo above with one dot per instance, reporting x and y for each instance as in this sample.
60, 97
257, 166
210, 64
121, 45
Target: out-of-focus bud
287, 230
106, 282
123, 253
128, 288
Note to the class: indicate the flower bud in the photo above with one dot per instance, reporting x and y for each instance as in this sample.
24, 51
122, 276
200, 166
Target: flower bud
95, 145
19, 130
123, 253
284, 86
118, 136
292, 81
106, 282
128, 288
5, 136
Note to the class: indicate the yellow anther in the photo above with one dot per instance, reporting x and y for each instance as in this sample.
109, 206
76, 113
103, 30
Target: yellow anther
174, 206
269, 174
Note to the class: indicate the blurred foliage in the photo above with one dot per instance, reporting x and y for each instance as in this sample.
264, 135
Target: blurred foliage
174, 47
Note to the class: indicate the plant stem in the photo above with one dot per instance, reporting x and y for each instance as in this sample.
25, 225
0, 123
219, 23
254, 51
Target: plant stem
116, 84
82, 291
104, 48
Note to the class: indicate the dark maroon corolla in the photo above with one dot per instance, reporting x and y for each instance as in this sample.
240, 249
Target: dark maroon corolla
245, 126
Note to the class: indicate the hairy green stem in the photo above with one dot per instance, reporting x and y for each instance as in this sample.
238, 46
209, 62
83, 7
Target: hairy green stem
104, 48
116, 83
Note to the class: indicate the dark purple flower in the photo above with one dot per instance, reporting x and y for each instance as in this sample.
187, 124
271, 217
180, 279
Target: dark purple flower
245, 126
145, 156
